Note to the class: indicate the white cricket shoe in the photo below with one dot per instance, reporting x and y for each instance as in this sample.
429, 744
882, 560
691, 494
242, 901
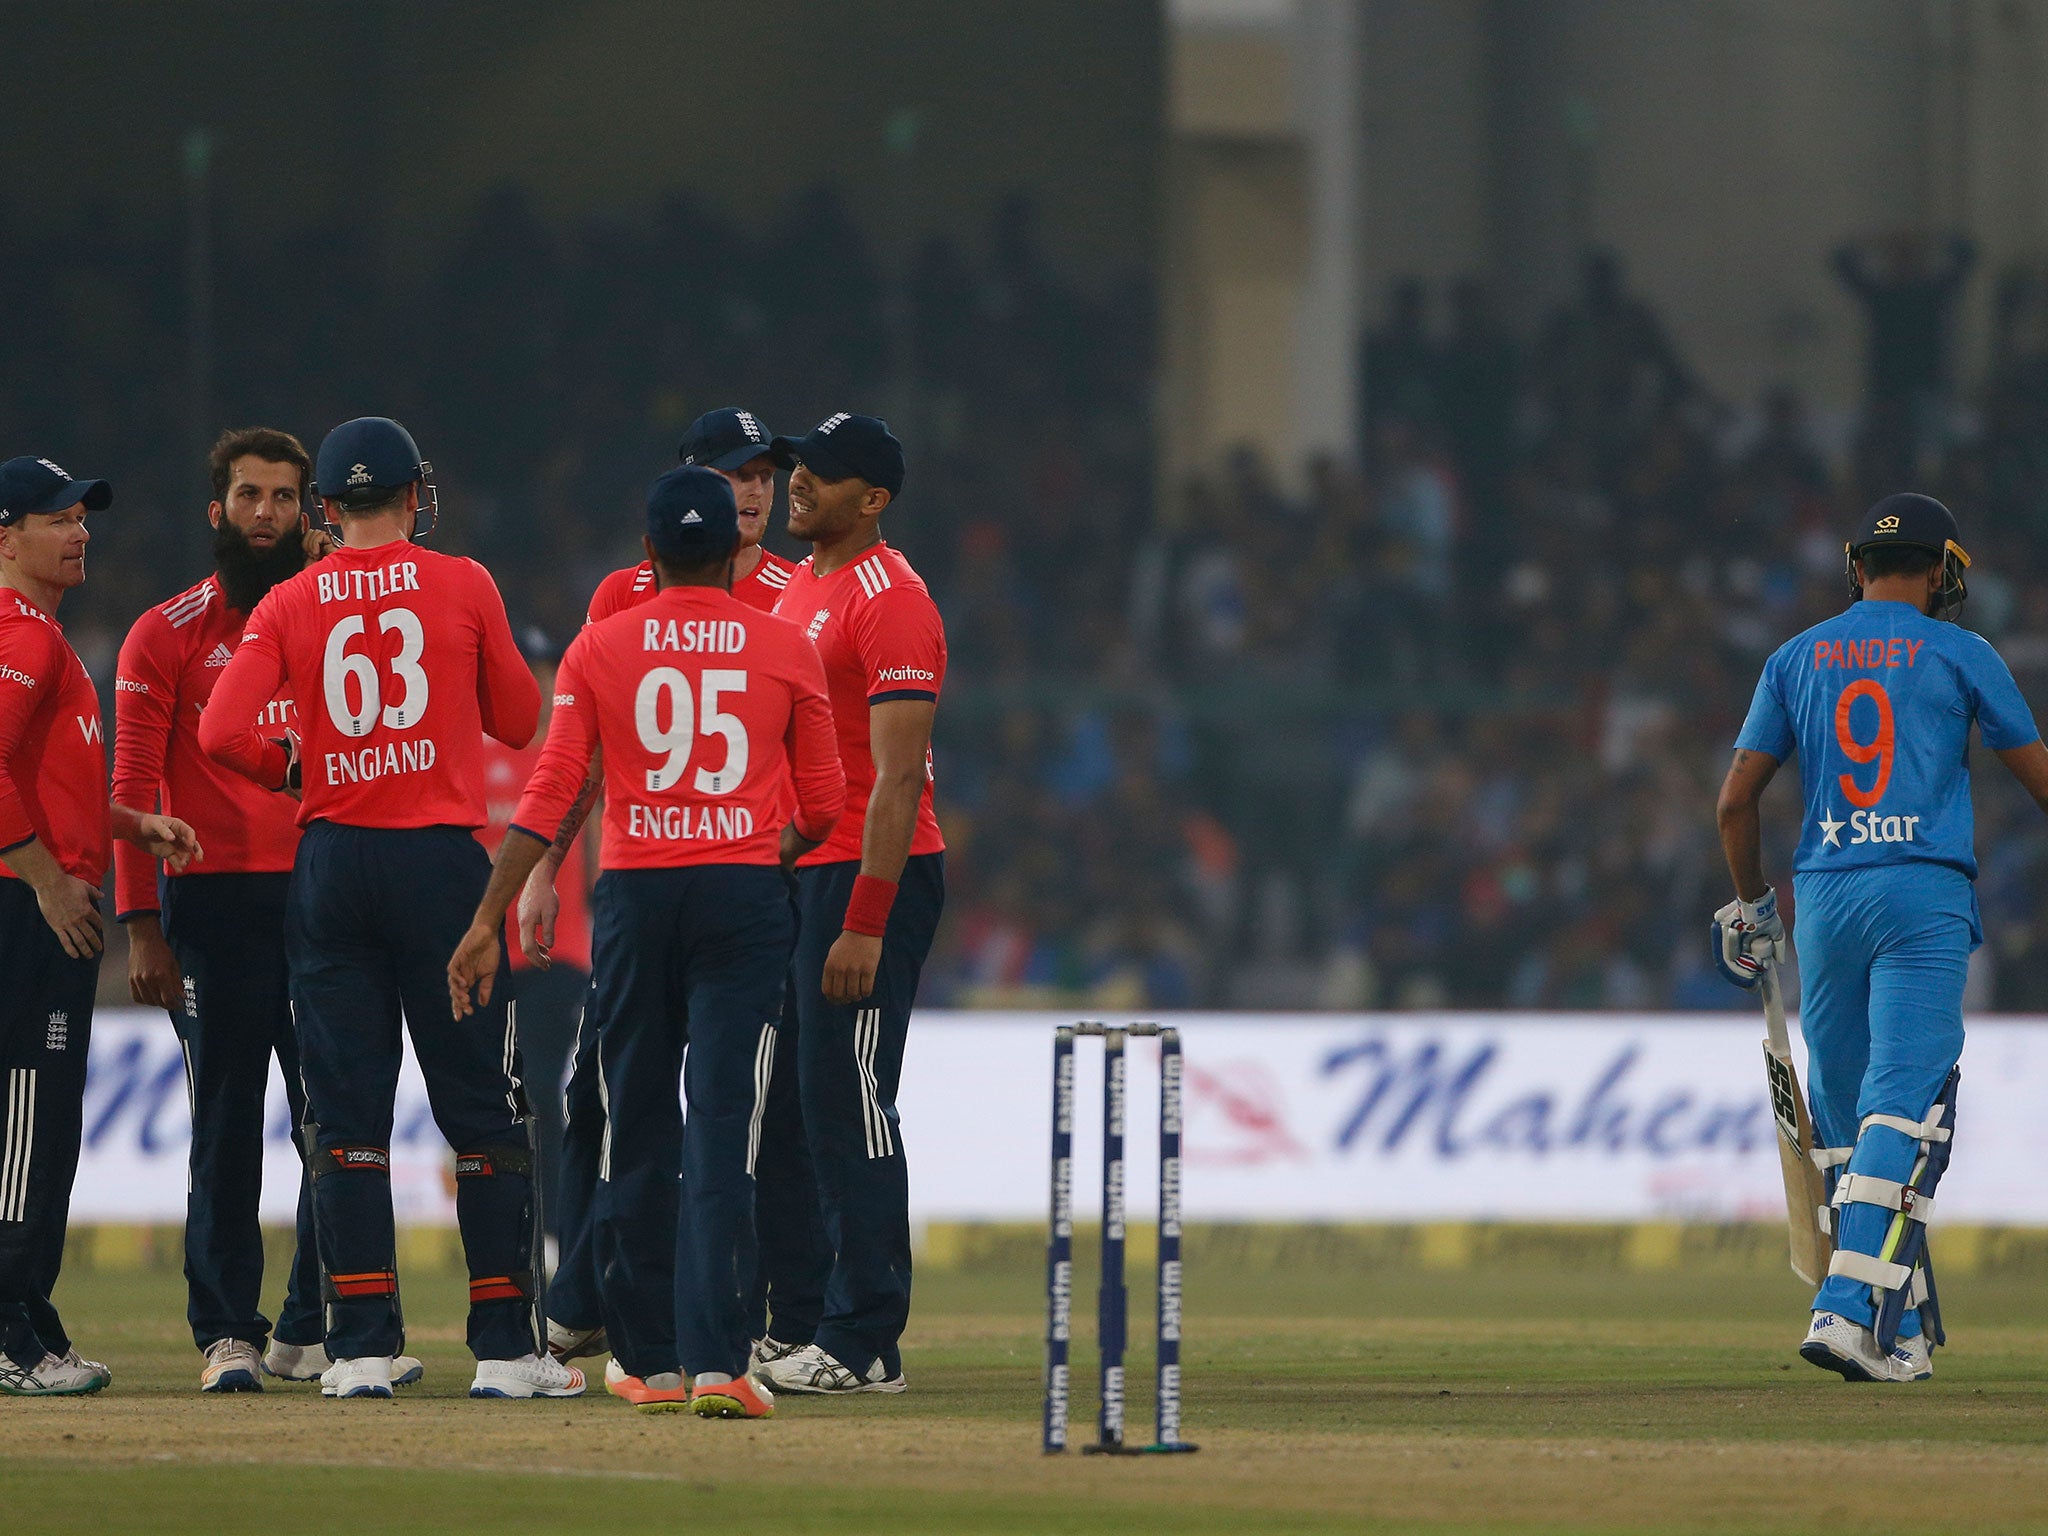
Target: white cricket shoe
232, 1365
54, 1376
577, 1343
1912, 1359
309, 1362
295, 1362
767, 1351
1849, 1349
73, 1358
530, 1376
811, 1370
364, 1376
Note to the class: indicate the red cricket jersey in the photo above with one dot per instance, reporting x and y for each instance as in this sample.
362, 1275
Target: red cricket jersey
705, 708
403, 660
506, 770
169, 664
53, 752
881, 638
635, 584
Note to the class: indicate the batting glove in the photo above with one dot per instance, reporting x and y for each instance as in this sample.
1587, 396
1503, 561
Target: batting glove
1748, 939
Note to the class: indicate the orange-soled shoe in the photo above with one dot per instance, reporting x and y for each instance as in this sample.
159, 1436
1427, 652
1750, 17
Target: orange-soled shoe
663, 1392
618, 1383
742, 1398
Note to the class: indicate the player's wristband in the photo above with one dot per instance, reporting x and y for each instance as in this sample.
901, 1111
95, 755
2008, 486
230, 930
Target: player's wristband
867, 910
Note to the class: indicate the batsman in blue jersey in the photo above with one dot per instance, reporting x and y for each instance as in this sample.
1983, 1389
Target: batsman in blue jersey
1878, 703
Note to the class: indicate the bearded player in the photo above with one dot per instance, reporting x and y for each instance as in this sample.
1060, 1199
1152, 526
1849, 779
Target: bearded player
1878, 702
207, 945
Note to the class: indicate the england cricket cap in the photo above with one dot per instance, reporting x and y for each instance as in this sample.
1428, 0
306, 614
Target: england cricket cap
843, 447
724, 439
29, 484
365, 460
1909, 518
691, 518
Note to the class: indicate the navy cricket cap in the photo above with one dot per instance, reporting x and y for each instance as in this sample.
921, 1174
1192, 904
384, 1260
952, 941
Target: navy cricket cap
1909, 518
29, 484
845, 447
724, 439
365, 460
691, 517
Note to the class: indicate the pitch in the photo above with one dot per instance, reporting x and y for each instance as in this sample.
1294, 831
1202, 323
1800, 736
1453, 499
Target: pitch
1326, 1398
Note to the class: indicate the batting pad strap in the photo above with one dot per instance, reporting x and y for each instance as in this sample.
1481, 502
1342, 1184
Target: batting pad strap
1868, 1189
1825, 1158
326, 1160
1930, 1129
375, 1282
1868, 1269
517, 1287
492, 1162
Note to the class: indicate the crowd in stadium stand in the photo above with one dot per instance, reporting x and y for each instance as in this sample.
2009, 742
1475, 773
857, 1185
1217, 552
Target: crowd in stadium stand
1442, 729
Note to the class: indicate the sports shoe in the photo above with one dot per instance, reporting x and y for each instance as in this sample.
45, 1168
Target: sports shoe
364, 1376
54, 1376
663, 1392
73, 1358
1835, 1344
1912, 1359
232, 1365
742, 1398
566, 1343
295, 1362
307, 1362
528, 1376
810, 1369
619, 1382
767, 1351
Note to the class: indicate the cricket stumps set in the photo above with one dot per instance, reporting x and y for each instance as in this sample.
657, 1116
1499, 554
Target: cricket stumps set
1113, 1302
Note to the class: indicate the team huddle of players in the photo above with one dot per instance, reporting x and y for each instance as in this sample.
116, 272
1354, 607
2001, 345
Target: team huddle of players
297, 798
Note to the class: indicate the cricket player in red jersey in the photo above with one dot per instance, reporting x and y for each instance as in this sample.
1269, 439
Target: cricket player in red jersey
705, 710
54, 834
735, 444
210, 951
403, 659
868, 901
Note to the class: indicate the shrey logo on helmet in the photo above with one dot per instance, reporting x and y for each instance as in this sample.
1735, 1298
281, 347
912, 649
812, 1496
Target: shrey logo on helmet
1887, 525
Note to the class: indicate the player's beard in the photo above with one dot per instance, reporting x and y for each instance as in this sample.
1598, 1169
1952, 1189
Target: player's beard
247, 573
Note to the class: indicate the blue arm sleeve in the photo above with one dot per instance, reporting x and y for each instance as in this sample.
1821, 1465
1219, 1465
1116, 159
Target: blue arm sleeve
2003, 718
1769, 727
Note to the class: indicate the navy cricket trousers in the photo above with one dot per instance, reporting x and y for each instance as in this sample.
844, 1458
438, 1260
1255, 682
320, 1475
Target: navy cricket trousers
689, 968
228, 934
849, 1063
46, 1002
373, 916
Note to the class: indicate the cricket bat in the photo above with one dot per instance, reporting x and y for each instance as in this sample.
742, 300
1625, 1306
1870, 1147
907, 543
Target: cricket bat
1805, 1187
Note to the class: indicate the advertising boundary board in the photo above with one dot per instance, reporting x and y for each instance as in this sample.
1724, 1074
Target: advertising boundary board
1397, 1118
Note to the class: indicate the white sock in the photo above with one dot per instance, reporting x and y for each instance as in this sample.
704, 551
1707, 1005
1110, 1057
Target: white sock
711, 1379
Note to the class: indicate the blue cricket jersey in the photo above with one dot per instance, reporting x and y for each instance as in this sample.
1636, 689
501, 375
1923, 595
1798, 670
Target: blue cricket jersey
1877, 702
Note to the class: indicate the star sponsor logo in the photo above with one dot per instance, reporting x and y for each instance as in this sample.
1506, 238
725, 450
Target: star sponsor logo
1867, 827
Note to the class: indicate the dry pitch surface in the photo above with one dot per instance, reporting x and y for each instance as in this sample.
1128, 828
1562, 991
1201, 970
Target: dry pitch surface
1457, 1401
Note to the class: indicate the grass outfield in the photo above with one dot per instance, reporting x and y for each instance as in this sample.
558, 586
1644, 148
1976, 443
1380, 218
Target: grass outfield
1325, 1398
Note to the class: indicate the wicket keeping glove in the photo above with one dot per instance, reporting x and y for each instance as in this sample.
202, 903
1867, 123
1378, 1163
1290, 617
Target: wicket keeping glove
1748, 939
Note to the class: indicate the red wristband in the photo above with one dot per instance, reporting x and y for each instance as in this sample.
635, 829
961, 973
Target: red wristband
867, 910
